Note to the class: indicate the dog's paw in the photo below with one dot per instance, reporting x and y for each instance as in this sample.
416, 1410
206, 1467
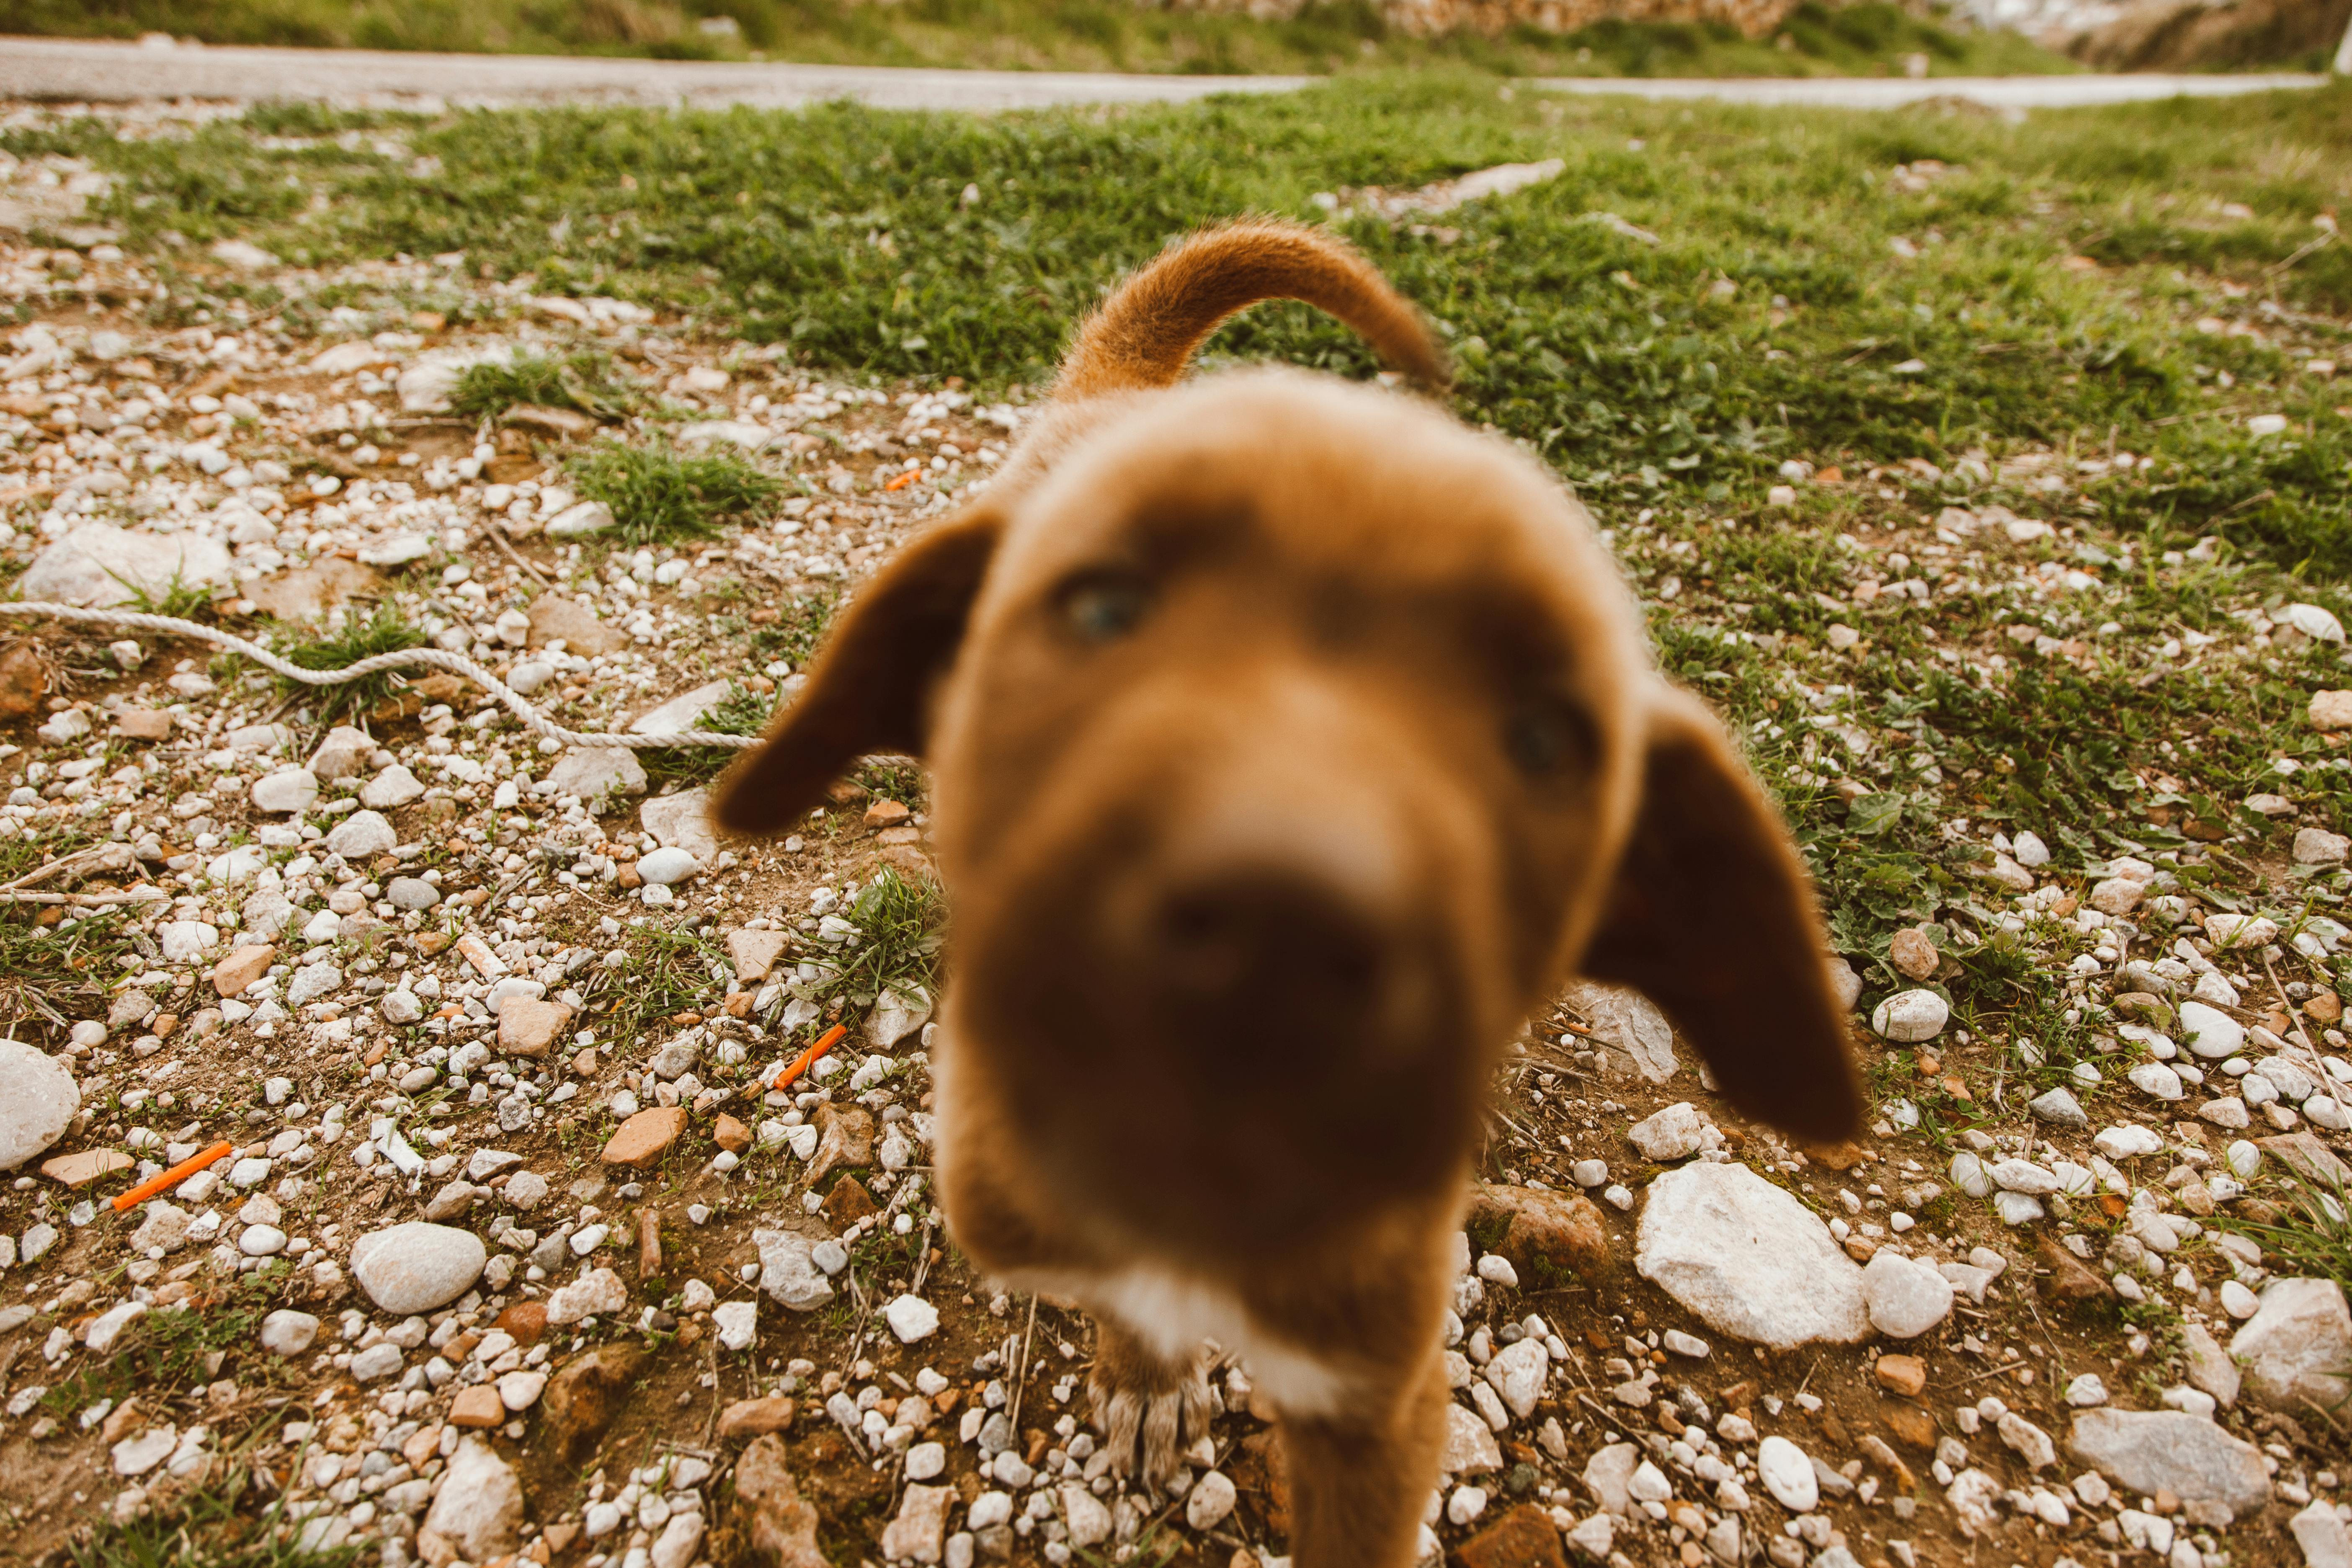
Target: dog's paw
1149, 1416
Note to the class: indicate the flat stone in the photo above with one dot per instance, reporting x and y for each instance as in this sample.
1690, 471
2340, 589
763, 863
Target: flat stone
682, 712
782, 1525
2127, 1142
554, 618
2210, 1032
309, 594
478, 1510
682, 821
2208, 1366
898, 1012
581, 518
788, 1270
80, 1170
590, 771
2317, 847
477, 1406
1524, 1537
753, 1417
1748, 1258
311, 982
530, 1027
138, 1454
1629, 1022
916, 1532
1608, 1475
644, 1137
143, 723
394, 786
1787, 1474
99, 566
418, 1267
2330, 711
41, 1101
1906, 1298
2297, 1347
584, 1398
1903, 1375
2321, 1535
287, 791
411, 894
2059, 1106
754, 953
2149, 1451
362, 835
1470, 1448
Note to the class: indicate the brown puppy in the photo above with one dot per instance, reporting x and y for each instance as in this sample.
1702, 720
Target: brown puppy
1291, 743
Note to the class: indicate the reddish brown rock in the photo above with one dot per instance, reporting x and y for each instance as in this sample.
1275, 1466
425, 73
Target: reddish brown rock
526, 1320
584, 1398
645, 1137
1550, 1239
477, 1406
80, 1170
1523, 1538
885, 813
531, 1028
143, 723
755, 1417
24, 681
242, 967
783, 1523
730, 1134
1912, 1426
848, 1203
1904, 1375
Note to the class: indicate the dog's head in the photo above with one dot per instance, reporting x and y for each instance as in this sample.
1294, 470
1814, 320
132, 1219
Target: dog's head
1290, 743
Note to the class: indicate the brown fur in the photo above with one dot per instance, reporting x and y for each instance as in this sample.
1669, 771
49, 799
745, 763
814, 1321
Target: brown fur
1291, 743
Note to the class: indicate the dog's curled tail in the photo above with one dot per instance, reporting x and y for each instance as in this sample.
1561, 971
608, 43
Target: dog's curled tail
1145, 334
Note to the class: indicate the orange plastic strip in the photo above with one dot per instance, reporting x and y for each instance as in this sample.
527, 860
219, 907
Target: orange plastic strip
173, 1177
825, 1043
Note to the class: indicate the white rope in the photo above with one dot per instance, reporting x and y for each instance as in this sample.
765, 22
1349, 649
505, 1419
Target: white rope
433, 658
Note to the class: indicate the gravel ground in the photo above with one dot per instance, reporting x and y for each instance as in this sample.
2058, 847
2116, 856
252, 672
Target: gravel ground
521, 1252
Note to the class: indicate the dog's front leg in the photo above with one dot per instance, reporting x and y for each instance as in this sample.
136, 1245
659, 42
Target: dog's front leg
1149, 1406
1359, 1479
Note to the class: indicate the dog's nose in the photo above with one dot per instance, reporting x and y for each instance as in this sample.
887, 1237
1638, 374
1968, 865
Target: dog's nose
1257, 939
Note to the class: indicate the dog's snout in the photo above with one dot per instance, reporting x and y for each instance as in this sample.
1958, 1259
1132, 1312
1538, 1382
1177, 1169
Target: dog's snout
1260, 939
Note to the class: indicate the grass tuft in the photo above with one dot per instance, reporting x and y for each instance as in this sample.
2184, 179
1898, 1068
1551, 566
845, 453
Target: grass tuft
385, 631
579, 382
658, 493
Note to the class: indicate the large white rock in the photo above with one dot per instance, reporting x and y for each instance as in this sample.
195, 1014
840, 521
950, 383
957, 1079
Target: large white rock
1677, 1132
2297, 1346
478, 1509
1629, 1021
1748, 1258
393, 786
911, 1318
2149, 1451
1906, 1298
38, 1097
286, 791
418, 1267
788, 1270
98, 565
592, 771
597, 1293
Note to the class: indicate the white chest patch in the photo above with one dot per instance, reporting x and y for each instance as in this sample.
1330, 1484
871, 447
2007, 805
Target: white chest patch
1173, 1314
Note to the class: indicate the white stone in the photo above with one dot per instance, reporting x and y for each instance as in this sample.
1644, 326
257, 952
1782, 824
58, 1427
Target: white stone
2017, 1208
2297, 1347
589, 772
2322, 1536
1788, 1475
1909, 1016
581, 518
394, 786
737, 1323
1518, 1374
668, 865
911, 1318
1748, 1258
478, 1509
597, 1293
1906, 1298
99, 566
1211, 1500
680, 712
2024, 1177
418, 1267
788, 1270
288, 1333
364, 835
41, 1101
286, 791
2146, 1451
916, 1533
519, 1390
136, 1455
682, 821
2210, 1032
2126, 1141
2313, 621
680, 1539
2157, 1080
1677, 1132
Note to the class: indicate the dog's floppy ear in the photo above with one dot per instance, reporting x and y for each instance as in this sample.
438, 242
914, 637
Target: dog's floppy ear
871, 690
1712, 917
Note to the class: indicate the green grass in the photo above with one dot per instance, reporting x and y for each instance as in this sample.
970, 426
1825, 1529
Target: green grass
218, 1525
668, 972
1642, 372
579, 382
2312, 1237
742, 712
902, 923
55, 974
384, 631
179, 598
658, 493
1871, 38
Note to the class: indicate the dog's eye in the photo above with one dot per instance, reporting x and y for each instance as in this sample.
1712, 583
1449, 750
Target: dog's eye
1104, 606
1547, 736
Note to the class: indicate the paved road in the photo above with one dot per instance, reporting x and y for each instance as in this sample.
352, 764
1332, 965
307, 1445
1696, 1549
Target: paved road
58, 69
